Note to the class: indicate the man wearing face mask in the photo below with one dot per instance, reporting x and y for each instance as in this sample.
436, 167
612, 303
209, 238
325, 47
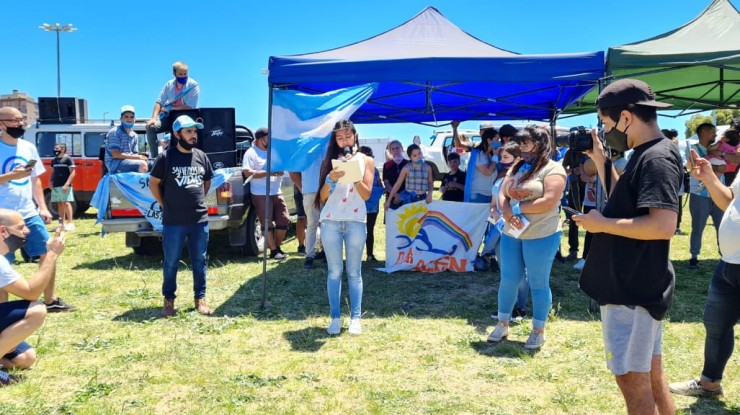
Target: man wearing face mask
20, 318
180, 180
20, 187
180, 93
122, 146
628, 271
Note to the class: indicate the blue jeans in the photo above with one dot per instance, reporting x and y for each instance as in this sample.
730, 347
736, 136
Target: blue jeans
532, 257
721, 313
480, 198
701, 208
173, 240
333, 236
523, 291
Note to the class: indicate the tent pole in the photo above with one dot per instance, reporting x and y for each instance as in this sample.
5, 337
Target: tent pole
721, 87
265, 234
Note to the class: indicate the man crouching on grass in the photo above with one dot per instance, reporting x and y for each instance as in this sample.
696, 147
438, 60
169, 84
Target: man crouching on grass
19, 319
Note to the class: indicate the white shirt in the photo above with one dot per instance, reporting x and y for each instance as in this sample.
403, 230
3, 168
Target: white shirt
729, 228
17, 194
345, 203
7, 274
255, 159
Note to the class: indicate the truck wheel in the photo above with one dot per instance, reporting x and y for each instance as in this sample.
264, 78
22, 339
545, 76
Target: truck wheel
81, 208
53, 206
255, 239
150, 246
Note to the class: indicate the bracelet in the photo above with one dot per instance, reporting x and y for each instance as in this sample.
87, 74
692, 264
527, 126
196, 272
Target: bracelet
329, 181
516, 209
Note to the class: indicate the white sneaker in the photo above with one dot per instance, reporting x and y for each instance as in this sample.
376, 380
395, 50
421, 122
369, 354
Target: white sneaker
579, 265
69, 227
355, 327
535, 341
334, 327
499, 333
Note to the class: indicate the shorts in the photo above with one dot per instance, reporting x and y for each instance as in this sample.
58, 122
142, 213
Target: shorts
19, 350
411, 197
36, 239
298, 198
12, 312
128, 166
278, 211
59, 195
631, 338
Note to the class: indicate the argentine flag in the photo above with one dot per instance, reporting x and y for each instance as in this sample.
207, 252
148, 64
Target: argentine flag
302, 123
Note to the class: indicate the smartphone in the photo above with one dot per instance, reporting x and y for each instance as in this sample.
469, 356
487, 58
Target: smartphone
30, 164
571, 210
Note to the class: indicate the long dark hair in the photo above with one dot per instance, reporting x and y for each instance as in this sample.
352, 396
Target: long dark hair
486, 139
542, 147
333, 151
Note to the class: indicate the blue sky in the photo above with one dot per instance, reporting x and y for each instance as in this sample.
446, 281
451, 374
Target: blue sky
123, 51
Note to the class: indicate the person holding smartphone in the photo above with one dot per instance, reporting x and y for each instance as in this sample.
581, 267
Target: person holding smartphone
63, 172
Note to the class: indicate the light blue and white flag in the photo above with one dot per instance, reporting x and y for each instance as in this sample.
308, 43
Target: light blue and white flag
302, 123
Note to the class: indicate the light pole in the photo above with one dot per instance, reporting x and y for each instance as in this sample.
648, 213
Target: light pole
58, 28
104, 114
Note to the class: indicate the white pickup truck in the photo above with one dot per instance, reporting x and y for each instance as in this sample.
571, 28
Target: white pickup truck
436, 151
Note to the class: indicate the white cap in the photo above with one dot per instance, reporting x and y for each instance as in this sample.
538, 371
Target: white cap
128, 108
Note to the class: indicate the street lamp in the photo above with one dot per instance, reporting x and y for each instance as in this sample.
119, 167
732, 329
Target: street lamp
58, 28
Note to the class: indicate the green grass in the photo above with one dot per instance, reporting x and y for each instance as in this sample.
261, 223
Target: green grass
423, 349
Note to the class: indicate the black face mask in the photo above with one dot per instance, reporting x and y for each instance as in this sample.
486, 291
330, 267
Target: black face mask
14, 242
15, 132
57, 153
187, 146
616, 139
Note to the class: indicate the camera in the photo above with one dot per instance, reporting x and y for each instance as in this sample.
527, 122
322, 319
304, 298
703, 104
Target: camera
580, 139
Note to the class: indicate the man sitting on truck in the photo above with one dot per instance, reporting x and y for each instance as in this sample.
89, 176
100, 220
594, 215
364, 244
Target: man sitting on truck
122, 145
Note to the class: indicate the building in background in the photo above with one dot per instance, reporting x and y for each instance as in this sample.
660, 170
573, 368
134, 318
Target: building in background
25, 104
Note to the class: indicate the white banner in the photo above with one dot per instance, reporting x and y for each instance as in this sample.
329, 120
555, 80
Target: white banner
434, 237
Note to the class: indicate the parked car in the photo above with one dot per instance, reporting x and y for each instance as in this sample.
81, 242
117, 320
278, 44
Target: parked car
436, 151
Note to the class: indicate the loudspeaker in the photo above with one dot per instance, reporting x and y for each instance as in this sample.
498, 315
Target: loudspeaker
53, 110
167, 121
218, 136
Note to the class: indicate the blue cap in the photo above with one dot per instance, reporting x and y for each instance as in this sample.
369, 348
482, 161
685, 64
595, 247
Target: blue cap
166, 137
184, 121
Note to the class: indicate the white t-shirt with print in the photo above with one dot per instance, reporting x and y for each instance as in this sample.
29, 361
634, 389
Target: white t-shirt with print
17, 194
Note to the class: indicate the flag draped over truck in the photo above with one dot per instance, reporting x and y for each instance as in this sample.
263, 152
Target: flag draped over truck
302, 123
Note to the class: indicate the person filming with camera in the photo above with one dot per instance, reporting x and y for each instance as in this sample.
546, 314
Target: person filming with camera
628, 271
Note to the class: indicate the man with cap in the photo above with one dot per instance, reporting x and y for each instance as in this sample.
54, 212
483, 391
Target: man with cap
179, 181
628, 271
254, 164
122, 146
180, 93
20, 187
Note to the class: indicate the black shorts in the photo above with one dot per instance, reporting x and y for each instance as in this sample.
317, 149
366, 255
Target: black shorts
12, 312
298, 198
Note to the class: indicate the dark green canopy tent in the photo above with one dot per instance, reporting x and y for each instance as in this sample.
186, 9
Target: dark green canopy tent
695, 67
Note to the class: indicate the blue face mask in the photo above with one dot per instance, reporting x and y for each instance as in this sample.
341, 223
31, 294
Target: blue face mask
420, 161
128, 125
503, 166
496, 145
182, 80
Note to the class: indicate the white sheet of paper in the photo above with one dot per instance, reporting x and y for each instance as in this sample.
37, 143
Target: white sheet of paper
516, 233
351, 169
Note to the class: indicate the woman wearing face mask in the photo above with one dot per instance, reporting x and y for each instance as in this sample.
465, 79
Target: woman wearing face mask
531, 194
343, 226
392, 169
417, 177
482, 169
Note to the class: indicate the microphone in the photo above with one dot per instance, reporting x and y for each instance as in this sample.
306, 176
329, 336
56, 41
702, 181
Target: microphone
346, 152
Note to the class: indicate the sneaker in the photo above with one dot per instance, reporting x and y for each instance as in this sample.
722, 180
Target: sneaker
308, 264
572, 256
169, 308
694, 388
519, 314
277, 255
58, 306
579, 265
355, 327
301, 250
69, 227
499, 333
494, 265
334, 327
693, 263
536, 340
371, 258
320, 255
6, 379
202, 307
559, 257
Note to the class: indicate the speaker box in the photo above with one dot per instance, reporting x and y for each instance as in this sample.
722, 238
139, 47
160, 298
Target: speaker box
172, 116
218, 136
62, 110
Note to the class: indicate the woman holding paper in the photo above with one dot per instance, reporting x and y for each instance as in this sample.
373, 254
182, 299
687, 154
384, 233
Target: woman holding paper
346, 182
529, 200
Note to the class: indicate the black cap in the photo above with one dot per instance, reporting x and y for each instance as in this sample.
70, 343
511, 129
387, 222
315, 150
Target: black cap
507, 130
628, 91
261, 132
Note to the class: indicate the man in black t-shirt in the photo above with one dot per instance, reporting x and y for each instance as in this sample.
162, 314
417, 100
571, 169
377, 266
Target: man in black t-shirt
453, 183
179, 181
62, 175
628, 271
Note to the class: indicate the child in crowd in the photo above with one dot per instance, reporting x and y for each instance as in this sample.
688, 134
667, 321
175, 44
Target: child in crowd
453, 183
417, 177
63, 172
372, 205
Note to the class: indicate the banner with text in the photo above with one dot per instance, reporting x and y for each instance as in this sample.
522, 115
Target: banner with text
434, 237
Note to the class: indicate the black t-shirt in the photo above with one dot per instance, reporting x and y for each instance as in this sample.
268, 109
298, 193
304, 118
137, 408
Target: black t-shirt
61, 169
454, 195
183, 176
625, 271
391, 171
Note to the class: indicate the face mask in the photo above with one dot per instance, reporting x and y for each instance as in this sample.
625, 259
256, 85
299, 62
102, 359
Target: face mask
529, 156
187, 146
496, 145
503, 166
15, 132
128, 125
14, 242
182, 80
397, 159
617, 139
57, 153
419, 162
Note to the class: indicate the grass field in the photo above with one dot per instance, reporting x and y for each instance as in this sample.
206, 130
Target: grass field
423, 350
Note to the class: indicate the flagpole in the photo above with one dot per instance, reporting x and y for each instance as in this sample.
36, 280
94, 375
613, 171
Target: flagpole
263, 302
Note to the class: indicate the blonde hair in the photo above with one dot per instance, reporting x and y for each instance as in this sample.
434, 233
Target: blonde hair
179, 65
